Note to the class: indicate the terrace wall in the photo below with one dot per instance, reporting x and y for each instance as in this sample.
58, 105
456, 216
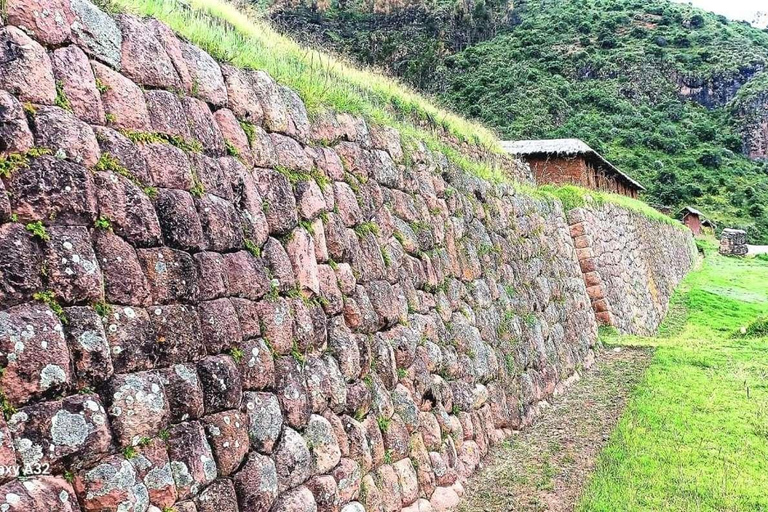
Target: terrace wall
631, 265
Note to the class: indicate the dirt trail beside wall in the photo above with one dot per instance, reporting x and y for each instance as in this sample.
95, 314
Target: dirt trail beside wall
546, 466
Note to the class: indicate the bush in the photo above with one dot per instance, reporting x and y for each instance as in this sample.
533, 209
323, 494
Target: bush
758, 328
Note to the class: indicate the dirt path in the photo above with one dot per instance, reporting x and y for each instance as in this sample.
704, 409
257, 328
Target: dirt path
546, 466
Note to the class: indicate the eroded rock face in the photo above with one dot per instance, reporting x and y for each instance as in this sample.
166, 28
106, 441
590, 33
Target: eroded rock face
248, 310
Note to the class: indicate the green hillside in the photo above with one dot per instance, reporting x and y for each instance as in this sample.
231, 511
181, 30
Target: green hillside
659, 87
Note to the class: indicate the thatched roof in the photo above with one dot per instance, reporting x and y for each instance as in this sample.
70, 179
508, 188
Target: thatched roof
694, 211
564, 147
547, 146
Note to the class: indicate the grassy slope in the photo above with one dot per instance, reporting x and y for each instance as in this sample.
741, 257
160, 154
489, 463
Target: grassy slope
233, 33
695, 434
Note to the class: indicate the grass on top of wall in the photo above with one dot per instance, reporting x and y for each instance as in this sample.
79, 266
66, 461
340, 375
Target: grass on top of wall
573, 196
236, 34
694, 435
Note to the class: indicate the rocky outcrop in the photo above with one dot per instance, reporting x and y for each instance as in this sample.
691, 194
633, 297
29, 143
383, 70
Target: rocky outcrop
717, 90
751, 110
631, 264
209, 302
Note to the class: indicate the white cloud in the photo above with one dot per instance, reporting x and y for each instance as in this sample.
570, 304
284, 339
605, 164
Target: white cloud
734, 9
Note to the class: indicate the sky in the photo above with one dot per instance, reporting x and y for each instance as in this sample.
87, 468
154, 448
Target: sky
734, 9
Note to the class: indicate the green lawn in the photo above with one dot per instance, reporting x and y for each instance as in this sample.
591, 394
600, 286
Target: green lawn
694, 435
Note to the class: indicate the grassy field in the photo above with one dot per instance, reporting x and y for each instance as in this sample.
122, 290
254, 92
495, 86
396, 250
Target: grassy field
694, 435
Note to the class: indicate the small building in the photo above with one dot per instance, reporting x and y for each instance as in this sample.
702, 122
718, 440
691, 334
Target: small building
693, 219
572, 161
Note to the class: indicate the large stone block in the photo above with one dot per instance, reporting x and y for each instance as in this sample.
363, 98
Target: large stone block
177, 334
123, 100
111, 485
292, 460
35, 356
166, 114
299, 499
221, 223
246, 275
171, 274
257, 367
292, 392
25, 68
115, 145
124, 281
73, 430
220, 379
228, 436
88, 347
323, 445
220, 496
207, 80
220, 325
172, 45
138, 406
75, 76
275, 113
256, 483
168, 166
96, 32
47, 21
128, 209
39, 494
243, 98
290, 154
203, 127
179, 220
73, 272
131, 338
53, 189
153, 469
279, 205
265, 420
143, 56
301, 251
183, 392
20, 266
15, 136
192, 461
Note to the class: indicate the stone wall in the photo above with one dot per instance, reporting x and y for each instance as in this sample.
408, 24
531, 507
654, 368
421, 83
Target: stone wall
210, 302
631, 264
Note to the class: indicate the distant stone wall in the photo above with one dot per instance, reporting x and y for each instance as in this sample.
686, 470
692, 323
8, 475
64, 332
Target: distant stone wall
631, 265
209, 302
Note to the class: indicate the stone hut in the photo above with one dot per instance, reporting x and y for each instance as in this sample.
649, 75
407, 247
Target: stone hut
733, 242
692, 218
572, 161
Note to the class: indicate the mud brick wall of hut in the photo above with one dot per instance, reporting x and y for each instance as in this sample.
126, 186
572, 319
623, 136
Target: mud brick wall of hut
631, 265
209, 302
